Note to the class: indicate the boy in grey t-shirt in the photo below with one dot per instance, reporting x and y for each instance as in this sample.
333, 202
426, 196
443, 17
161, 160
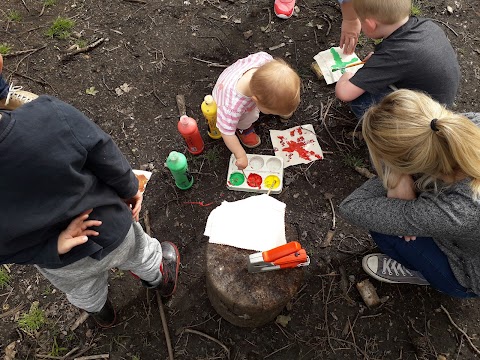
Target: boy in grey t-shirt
414, 54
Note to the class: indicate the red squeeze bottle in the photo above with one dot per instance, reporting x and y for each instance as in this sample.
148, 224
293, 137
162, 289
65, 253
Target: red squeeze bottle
187, 126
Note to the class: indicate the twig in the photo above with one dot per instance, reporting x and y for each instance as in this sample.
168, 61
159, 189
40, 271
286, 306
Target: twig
331, 232
329, 104
41, 82
459, 329
326, 316
12, 311
80, 320
165, 326
446, 25
26, 7
70, 352
192, 331
276, 351
93, 357
87, 48
210, 64
21, 60
146, 219
182, 108
21, 52
329, 25
42, 356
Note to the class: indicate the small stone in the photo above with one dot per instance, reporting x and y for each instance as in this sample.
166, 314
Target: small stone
248, 34
450, 10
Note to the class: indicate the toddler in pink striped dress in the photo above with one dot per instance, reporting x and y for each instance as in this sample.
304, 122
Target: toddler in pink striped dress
253, 84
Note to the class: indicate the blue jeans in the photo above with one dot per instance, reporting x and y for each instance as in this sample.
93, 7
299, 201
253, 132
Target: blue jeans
364, 101
3, 88
424, 256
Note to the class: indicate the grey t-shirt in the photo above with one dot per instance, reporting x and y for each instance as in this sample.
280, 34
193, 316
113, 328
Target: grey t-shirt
450, 217
416, 56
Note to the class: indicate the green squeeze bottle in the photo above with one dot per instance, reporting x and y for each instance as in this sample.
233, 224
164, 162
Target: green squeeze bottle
177, 164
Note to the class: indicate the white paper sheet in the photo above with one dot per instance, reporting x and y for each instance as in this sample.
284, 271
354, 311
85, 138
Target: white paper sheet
297, 145
255, 223
335, 58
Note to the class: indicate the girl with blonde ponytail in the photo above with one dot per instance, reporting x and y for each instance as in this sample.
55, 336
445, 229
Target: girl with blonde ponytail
428, 190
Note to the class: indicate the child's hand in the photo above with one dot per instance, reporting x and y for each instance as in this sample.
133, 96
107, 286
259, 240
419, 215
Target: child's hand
76, 233
242, 162
135, 204
350, 31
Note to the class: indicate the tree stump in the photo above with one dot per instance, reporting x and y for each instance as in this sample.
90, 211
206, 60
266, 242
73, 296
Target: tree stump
247, 299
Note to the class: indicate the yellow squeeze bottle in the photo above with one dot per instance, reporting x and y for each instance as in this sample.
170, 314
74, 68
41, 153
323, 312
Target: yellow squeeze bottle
209, 110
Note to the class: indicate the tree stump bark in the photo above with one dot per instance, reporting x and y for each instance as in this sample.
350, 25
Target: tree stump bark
247, 299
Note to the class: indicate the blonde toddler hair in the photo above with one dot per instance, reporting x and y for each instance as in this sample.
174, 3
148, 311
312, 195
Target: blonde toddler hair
277, 87
387, 12
410, 133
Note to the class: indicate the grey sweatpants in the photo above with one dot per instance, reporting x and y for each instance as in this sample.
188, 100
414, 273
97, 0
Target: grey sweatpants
85, 282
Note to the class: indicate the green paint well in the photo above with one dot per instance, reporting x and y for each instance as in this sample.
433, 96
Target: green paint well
339, 64
236, 179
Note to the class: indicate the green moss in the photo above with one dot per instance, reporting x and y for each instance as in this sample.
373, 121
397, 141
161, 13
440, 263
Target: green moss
4, 276
416, 10
33, 320
61, 28
14, 15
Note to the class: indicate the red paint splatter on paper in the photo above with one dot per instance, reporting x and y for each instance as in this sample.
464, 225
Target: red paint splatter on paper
298, 145
254, 180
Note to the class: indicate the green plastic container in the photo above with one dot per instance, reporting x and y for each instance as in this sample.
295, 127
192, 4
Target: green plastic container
177, 164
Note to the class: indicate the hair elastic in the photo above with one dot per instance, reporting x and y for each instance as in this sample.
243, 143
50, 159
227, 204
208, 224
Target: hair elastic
433, 124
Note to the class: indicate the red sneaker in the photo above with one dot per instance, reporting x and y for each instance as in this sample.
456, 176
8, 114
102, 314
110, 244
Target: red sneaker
249, 137
284, 8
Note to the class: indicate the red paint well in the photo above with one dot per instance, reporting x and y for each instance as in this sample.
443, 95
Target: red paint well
254, 180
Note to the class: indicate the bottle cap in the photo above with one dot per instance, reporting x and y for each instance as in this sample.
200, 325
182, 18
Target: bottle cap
184, 120
173, 156
208, 99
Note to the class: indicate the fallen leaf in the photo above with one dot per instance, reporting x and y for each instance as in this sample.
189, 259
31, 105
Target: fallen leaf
125, 88
283, 320
10, 351
91, 91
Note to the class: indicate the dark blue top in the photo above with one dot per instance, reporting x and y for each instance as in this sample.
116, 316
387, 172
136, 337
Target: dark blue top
416, 56
56, 163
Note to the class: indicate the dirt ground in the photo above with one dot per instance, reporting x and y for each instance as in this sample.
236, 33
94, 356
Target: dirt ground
163, 48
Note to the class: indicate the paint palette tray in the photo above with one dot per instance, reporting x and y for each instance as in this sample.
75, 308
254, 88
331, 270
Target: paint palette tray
264, 173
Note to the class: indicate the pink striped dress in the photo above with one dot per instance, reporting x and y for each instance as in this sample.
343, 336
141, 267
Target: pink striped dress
233, 108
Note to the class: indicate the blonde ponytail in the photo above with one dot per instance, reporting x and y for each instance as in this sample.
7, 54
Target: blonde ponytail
409, 133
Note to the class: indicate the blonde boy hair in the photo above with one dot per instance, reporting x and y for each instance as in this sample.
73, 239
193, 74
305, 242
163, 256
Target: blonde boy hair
277, 87
402, 139
387, 12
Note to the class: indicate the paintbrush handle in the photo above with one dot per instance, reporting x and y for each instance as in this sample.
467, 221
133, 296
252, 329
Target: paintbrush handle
350, 65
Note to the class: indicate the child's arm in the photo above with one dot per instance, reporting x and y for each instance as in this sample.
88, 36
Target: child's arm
345, 90
351, 28
236, 148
